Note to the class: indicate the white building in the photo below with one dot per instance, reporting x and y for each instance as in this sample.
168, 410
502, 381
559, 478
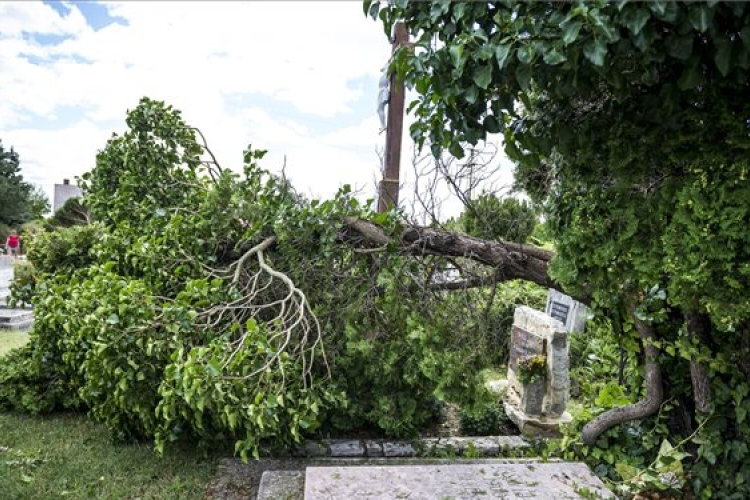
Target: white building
63, 192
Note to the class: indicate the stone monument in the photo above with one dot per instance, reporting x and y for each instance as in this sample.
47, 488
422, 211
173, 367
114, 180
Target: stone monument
569, 311
6, 276
538, 380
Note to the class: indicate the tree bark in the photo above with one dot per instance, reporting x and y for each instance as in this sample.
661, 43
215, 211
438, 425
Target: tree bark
699, 327
641, 409
510, 260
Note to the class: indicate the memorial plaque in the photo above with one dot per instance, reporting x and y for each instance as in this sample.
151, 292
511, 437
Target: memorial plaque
568, 311
522, 345
559, 311
485, 481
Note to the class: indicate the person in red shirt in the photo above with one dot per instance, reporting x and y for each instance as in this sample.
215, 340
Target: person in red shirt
13, 243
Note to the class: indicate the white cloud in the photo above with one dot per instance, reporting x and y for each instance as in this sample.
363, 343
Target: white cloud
309, 57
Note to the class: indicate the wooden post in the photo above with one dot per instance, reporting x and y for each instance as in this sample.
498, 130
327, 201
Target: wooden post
388, 190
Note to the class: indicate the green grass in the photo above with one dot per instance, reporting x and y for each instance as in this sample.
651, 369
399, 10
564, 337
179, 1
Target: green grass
71, 457
10, 339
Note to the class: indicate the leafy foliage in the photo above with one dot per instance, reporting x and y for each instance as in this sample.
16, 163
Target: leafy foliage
628, 121
70, 214
483, 419
491, 218
199, 301
19, 200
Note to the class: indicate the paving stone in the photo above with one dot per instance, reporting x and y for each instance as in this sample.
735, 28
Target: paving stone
542, 481
281, 485
346, 448
373, 448
511, 442
398, 449
311, 449
483, 446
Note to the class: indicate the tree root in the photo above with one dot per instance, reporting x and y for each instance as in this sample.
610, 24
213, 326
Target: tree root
283, 311
641, 409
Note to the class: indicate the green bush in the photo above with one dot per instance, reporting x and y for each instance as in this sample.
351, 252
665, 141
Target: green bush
23, 285
483, 419
157, 320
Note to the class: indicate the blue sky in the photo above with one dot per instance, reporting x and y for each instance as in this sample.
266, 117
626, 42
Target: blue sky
297, 78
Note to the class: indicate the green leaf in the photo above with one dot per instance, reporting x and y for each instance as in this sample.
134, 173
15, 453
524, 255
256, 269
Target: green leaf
570, 32
372, 8
214, 367
741, 413
701, 16
501, 54
459, 8
523, 76
745, 34
492, 125
483, 76
636, 18
723, 55
457, 55
525, 54
113, 319
554, 57
456, 150
626, 471
680, 47
691, 77
595, 51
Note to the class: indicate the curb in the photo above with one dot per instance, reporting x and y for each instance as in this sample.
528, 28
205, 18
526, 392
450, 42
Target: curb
480, 446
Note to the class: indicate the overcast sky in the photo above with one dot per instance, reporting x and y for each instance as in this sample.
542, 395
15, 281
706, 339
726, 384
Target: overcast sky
297, 78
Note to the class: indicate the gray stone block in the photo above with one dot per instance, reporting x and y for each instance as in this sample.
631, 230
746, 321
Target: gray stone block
346, 448
373, 448
482, 446
282, 485
311, 449
511, 442
398, 449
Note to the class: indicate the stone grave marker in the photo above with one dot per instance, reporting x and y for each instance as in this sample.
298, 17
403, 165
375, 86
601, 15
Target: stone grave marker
6, 276
565, 308
538, 407
456, 481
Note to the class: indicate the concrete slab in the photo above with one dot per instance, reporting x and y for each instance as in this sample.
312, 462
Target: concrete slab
281, 485
542, 481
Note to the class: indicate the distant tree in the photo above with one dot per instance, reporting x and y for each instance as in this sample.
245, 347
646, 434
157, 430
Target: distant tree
492, 218
19, 200
38, 203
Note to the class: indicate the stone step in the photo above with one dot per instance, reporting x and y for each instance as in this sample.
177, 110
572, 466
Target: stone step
467, 480
16, 319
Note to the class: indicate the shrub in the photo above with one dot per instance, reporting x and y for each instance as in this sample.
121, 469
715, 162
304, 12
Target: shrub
483, 419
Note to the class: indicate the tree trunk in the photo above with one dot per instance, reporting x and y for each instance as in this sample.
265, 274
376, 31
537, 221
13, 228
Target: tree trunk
511, 260
641, 409
699, 327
